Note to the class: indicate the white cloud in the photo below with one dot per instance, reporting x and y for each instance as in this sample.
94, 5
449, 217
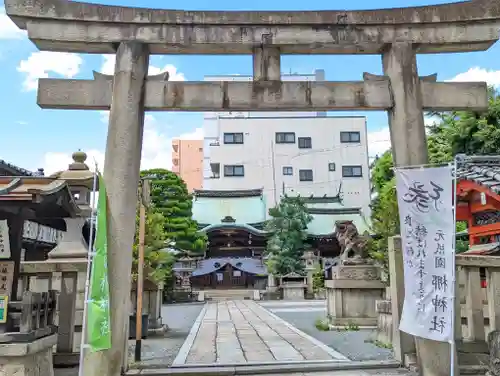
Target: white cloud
157, 145
40, 64
156, 149
108, 67
8, 29
378, 142
57, 161
477, 74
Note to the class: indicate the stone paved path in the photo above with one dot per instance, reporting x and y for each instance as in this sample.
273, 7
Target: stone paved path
244, 332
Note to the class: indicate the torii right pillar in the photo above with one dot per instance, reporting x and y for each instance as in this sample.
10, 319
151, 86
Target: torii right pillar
409, 147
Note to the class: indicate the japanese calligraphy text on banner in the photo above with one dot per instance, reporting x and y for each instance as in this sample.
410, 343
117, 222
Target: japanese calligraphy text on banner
4, 240
426, 211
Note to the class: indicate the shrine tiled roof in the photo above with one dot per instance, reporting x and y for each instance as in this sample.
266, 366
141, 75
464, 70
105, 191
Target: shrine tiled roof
245, 264
482, 170
226, 226
32, 191
324, 217
234, 193
236, 207
15, 170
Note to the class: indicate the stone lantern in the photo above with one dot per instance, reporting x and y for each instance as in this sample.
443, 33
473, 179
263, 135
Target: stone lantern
68, 260
80, 180
311, 262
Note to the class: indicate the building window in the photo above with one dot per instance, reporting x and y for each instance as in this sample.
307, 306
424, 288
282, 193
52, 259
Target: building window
306, 175
233, 138
305, 143
236, 273
331, 166
285, 138
236, 170
215, 167
288, 170
352, 171
347, 137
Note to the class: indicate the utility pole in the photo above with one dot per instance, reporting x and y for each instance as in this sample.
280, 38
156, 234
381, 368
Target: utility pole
144, 199
275, 189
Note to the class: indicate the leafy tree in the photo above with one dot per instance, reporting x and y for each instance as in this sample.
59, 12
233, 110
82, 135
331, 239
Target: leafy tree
157, 263
468, 132
382, 171
170, 197
288, 228
385, 221
318, 279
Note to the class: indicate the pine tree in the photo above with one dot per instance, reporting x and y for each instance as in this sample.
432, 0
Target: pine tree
288, 228
170, 197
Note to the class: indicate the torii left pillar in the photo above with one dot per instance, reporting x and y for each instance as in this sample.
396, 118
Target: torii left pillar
121, 175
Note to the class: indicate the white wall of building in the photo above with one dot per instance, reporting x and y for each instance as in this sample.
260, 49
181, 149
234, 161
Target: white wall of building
264, 159
211, 124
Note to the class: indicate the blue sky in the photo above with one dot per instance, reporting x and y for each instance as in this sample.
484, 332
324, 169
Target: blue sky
32, 137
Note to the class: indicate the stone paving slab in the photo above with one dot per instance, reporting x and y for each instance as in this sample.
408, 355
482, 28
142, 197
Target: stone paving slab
241, 331
384, 372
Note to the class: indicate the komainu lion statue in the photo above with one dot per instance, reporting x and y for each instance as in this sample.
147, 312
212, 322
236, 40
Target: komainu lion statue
353, 246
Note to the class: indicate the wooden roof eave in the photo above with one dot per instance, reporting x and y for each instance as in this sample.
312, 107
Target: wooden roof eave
57, 187
473, 186
15, 183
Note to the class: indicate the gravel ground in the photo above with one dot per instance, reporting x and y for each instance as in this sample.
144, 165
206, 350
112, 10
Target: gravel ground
160, 351
356, 345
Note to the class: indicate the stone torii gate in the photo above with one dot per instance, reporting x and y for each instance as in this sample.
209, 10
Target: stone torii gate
134, 34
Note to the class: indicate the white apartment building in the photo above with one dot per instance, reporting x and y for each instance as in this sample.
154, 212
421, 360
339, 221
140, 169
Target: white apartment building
293, 153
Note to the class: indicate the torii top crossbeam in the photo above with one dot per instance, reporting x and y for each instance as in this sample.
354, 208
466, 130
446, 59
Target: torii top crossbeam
60, 25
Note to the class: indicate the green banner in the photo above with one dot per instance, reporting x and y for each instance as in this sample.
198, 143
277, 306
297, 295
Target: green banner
98, 318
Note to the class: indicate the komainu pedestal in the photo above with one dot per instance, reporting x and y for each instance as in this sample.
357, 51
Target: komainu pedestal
28, 359
351, 295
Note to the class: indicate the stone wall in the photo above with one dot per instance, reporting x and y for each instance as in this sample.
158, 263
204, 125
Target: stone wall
384, 320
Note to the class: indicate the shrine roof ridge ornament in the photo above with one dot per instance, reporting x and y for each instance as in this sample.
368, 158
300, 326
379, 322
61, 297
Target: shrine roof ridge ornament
60, 25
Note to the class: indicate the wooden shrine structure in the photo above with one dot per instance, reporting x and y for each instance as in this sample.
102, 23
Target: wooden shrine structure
478, 198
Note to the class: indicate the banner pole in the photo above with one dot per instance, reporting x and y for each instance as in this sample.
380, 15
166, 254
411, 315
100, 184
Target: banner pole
87, 278
454, 271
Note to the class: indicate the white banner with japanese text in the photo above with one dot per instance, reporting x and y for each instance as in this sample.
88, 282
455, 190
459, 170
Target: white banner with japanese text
4, 240
427, 220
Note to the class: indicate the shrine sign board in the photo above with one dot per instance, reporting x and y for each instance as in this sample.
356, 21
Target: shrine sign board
4, 303
6, 277
4, 240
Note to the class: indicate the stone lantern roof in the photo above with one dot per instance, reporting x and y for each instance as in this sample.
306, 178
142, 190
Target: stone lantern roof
78, 172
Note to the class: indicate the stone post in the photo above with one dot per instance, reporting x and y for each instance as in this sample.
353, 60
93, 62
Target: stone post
16, 226
266, 64
121, 175
409, 147
271, 283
